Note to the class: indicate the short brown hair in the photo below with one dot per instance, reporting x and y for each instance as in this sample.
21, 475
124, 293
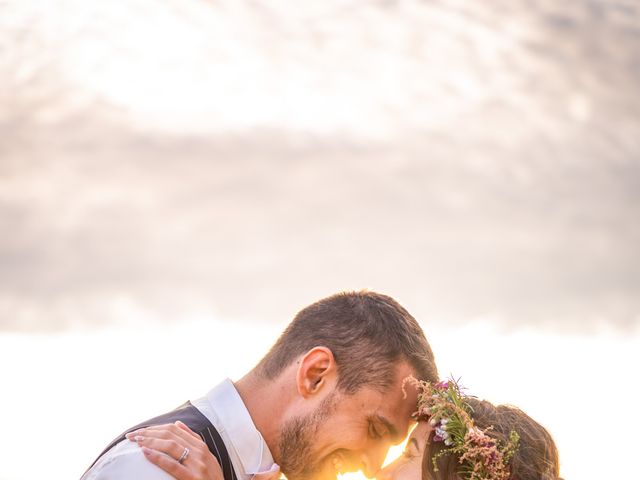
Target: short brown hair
368, 334
535, 459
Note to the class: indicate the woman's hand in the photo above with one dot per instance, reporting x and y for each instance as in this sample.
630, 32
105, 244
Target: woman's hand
178, 451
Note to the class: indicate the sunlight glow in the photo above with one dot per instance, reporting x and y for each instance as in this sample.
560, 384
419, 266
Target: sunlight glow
394, 452
112, 378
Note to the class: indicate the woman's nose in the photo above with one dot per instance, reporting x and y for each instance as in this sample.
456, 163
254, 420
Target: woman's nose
386, 473
373, 460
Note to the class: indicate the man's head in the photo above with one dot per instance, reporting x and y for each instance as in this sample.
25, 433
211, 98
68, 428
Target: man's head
349, 354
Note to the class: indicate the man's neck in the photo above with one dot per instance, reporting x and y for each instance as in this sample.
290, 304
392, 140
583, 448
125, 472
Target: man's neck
267, 401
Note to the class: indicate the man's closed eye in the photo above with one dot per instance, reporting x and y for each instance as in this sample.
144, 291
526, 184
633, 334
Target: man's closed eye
377, 429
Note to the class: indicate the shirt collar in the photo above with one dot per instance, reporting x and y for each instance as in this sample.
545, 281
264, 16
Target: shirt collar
235, 420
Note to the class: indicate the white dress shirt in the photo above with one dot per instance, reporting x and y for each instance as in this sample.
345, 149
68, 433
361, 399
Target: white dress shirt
224, 408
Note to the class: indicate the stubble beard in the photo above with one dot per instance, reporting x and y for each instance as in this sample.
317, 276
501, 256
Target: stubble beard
296, 444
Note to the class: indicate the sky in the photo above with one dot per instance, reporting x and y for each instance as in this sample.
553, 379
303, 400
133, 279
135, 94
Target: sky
243, 157
207, 165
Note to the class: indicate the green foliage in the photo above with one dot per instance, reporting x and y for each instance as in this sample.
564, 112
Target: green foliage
481, 457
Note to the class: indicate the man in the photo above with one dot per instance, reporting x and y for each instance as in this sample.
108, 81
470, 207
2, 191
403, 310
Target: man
327, 398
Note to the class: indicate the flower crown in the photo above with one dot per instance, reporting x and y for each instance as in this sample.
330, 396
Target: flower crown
481, 457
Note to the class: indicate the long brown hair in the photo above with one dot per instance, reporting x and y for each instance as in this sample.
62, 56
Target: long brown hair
535, 459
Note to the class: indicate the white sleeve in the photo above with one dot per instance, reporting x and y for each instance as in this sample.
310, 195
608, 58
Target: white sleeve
125, 461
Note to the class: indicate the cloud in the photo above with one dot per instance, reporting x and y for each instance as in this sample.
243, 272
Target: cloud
480, 167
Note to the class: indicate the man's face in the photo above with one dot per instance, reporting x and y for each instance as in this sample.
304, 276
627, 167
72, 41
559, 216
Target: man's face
347, 433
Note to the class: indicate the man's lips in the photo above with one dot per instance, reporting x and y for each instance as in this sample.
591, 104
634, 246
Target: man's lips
337, 464
343, 464
334, 464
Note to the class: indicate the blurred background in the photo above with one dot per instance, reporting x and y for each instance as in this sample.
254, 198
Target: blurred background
178, 178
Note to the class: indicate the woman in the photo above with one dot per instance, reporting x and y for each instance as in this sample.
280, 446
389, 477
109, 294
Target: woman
457, 438
461, 437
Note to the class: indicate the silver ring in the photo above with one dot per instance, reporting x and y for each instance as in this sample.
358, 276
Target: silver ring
184, 455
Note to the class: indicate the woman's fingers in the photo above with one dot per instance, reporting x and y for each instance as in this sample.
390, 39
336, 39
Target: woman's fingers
174, 432
168, 464
168, 431
178, 451
206, 468
186, 429
168, 447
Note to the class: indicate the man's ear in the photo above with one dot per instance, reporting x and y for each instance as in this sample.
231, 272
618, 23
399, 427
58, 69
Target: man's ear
316, 369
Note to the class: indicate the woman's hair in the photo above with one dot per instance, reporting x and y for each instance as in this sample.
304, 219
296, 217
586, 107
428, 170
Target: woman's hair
535, 459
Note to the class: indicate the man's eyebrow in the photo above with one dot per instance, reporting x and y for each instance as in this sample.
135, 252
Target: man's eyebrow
391, 428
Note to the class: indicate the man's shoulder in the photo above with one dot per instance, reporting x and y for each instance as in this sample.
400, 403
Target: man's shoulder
125, 460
